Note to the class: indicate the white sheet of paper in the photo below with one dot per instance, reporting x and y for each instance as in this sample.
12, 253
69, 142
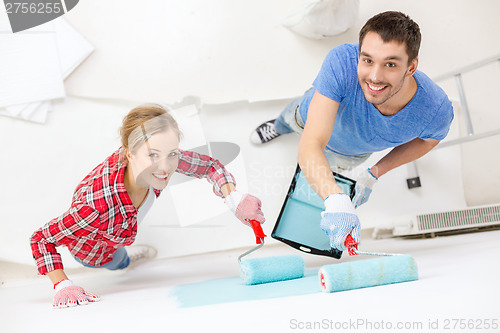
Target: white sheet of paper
73, 48
15, 110
30, 67
195, 201
36, 111
23, 110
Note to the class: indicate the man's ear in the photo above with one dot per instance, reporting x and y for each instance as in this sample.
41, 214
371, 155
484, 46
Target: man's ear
413, 66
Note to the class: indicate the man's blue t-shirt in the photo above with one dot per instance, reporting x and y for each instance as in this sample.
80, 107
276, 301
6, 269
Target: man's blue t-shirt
359, 127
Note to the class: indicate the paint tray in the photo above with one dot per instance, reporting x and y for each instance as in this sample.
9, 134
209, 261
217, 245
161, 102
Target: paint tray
300, 217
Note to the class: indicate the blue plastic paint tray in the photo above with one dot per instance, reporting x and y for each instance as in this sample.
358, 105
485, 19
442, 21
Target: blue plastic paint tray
300, 216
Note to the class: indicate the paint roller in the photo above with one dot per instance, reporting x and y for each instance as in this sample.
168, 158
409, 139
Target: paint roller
388, 269
268, 269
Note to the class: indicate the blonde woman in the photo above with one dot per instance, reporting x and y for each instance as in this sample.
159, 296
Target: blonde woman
112, 199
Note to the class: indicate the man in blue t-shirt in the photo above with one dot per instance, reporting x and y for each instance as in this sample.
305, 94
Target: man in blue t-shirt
366, 98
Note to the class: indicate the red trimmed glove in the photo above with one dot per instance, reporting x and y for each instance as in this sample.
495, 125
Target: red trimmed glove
67, 294
245, 206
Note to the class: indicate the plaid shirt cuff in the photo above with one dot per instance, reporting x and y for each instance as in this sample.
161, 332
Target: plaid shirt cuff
49, 262
222, 179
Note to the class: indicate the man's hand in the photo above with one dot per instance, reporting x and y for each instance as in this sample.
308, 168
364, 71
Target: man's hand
363, 188
339, 220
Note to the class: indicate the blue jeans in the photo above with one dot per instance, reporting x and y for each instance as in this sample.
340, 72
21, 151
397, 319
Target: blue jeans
290, 121
120, 261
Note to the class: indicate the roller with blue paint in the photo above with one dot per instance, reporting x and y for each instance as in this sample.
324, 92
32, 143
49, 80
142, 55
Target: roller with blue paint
268, 269
387, 269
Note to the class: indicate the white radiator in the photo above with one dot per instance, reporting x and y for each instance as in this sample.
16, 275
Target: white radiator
478, 217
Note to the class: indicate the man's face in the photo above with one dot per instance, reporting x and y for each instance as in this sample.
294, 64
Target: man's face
383, 68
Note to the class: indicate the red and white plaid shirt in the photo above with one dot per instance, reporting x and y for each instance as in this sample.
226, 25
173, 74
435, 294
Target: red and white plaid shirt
102, 217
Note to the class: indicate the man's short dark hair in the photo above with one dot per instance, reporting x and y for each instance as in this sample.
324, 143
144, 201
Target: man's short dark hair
394, 26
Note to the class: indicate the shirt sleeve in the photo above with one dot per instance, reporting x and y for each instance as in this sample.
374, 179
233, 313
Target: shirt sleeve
331, 80
79, 221
439, 127
202, 166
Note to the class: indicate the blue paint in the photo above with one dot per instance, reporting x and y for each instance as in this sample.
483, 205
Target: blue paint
232, 289
300, 219
300, 223
303, 192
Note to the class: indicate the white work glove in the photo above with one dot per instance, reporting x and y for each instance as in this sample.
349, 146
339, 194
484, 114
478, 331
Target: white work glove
363, 188
67, 294
339, 220
245, 206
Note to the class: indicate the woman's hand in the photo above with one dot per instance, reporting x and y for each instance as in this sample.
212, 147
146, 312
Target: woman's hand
245, 206
67, 294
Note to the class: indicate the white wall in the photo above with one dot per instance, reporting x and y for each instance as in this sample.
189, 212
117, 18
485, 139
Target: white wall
225, 51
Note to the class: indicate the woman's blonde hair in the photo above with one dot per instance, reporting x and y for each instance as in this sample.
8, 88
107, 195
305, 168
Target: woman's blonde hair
144, 121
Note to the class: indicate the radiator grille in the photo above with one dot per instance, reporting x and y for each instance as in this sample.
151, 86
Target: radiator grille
459, 219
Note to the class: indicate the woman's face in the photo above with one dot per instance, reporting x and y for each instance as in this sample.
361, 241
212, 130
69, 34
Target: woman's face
154, 162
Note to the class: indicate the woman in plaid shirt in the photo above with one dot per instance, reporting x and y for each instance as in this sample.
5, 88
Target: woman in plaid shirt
114, 197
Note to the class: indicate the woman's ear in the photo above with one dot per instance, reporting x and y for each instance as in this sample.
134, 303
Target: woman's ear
128, 155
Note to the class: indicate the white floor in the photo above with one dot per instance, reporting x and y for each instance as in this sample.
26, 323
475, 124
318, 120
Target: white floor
458, 285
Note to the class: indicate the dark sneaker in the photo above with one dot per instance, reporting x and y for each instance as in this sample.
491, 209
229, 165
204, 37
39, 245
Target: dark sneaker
264, 133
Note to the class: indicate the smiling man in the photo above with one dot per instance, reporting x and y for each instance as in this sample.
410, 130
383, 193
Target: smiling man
367, 97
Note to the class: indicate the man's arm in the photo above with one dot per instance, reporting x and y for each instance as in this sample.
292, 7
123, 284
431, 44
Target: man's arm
403, 154
317, 132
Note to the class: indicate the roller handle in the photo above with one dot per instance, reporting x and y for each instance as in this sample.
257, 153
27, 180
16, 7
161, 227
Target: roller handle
257, 230
351, 244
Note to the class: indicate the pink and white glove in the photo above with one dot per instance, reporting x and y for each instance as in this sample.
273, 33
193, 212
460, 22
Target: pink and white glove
67, 294
245, 206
